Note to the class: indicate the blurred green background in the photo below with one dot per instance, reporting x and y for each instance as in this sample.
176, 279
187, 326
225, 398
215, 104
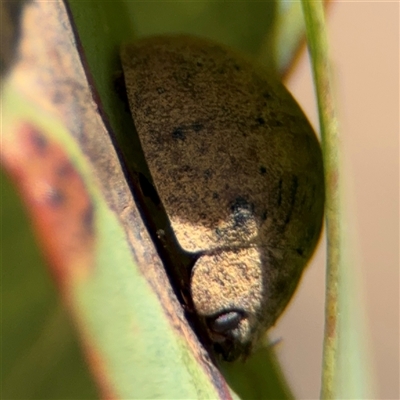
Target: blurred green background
40, 355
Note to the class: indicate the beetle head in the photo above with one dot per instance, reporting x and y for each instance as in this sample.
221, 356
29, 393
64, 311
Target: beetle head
227, 291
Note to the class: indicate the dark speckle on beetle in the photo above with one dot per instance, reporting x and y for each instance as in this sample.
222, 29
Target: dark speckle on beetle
207, 173
242, 211
263, 170
160, 90
267, 96
276, 123
240, 203
260, 121
186, 168
292, 197
184, 79
179, 134
197, 126
264, 215
181, 131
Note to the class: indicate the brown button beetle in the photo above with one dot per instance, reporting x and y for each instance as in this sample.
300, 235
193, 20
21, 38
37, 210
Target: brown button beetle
239, 171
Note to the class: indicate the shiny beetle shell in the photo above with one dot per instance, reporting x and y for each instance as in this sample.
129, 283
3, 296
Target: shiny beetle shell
239, 171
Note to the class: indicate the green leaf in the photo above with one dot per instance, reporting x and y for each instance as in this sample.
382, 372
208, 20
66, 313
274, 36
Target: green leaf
40, 356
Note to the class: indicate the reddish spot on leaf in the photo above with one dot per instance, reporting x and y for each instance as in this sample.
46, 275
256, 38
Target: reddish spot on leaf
99, 368
56, 197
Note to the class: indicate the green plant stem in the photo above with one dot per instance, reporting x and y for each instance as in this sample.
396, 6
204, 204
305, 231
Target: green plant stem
318, 48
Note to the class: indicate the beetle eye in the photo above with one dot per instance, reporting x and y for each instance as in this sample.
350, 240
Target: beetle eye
225, 322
